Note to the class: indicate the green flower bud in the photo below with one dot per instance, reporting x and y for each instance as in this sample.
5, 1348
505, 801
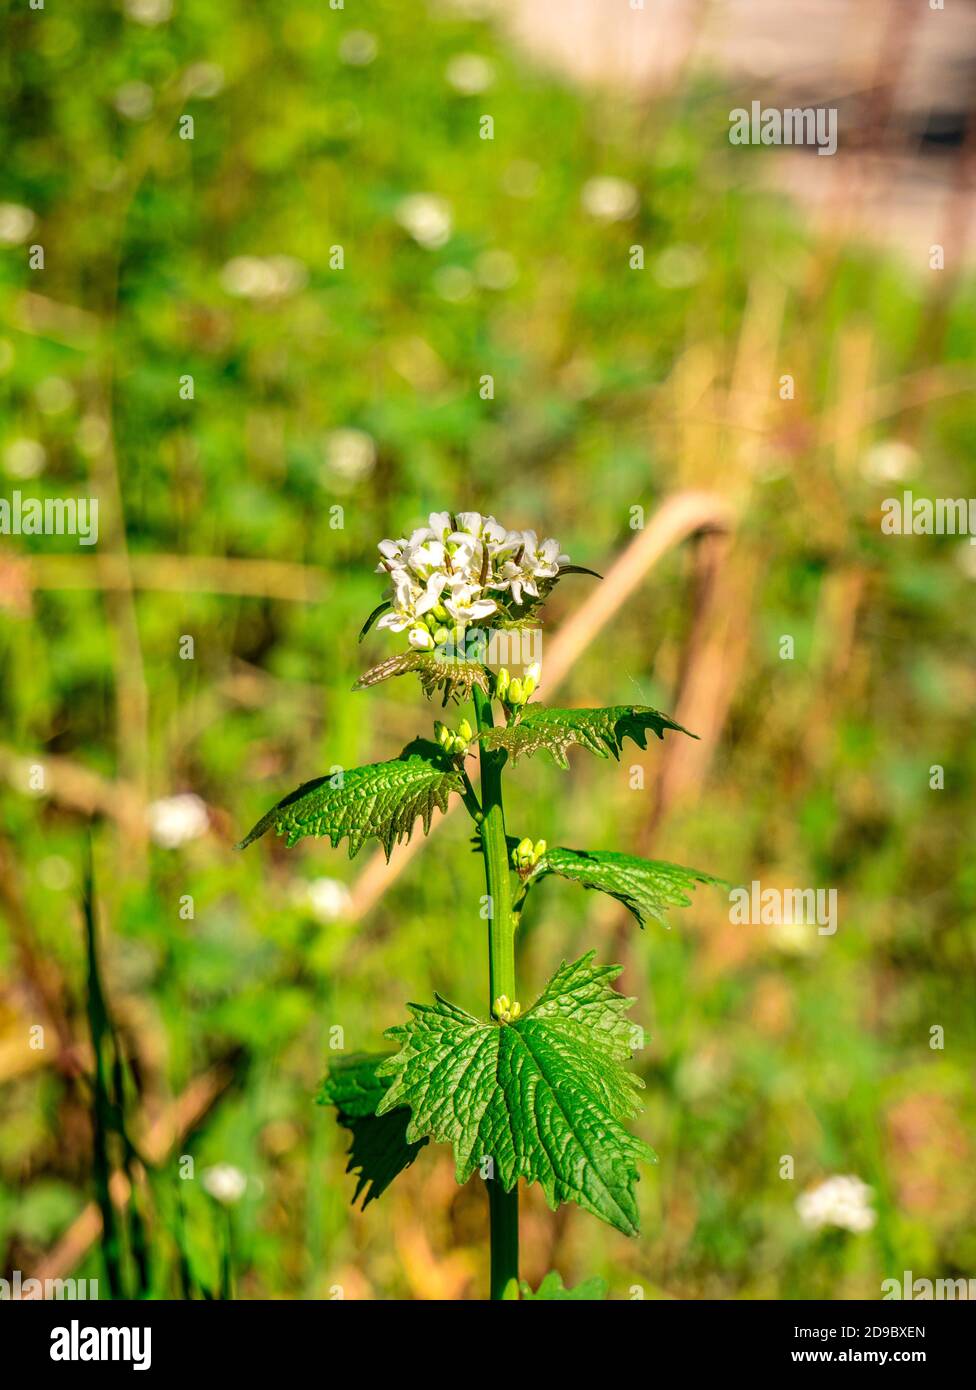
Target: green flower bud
502, 683
516, 695
466, 731
442, 733
441, 635
502, 1007
539, 851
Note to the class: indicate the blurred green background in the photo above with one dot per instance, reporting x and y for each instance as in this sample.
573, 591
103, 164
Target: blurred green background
354, 381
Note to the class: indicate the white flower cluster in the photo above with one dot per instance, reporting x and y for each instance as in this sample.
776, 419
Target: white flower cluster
841, 1201
175, 820
458, 571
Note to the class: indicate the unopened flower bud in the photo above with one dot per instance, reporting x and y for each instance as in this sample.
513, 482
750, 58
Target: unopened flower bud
539, 851
502, 683
442, 733
515, 1010
516, 694
502, 1008
465, 730
441, 636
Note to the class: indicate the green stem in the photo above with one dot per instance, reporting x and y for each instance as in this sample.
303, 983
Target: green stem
503, 1206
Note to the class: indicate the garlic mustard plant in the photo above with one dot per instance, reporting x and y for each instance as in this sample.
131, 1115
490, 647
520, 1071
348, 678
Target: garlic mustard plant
538, 1091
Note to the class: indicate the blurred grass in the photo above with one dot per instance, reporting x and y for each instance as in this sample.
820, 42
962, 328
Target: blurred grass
613, 388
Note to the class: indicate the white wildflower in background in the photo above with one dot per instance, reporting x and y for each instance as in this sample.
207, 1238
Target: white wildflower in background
889, 460
327, 899
966, 559
841, 1201
204, 80
54, 395
175, 820
134, 101
16, 223
469, 74
24, 458
427, 218
610, 199
350, 454
149, 12
263, 277
224, 1182
458, 571
358, 48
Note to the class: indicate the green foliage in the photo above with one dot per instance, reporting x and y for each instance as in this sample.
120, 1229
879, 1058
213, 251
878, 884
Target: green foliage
379, 1150
456, 678
552, 1290
381, 800
646, 887
602, 731
541, 1097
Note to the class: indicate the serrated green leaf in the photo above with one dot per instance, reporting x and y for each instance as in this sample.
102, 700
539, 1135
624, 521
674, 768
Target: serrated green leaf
379, 1150
602, 731
542, 1097
381, 800
552, 1290
455, 677
646, 887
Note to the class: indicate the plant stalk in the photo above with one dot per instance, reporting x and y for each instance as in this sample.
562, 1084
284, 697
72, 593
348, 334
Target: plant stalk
503, 1206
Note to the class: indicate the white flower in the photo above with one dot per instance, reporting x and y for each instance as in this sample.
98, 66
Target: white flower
327, 899
610, 199
841, 1201
358, 48
411, 600
469, 73
15, 223
149, 12
350, 454
134, 101
24, 458
224, 1182
461, 569
263, 277
204, 80
427, 218
465, 607
174, 820
542, 561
